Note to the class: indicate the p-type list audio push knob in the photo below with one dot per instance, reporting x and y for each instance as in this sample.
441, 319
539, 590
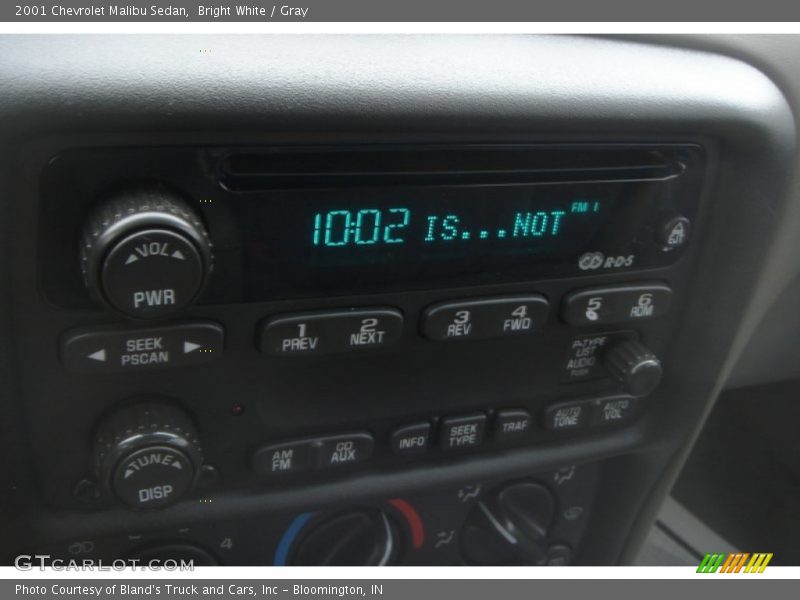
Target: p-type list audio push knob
148, 455
634, 366
146, 253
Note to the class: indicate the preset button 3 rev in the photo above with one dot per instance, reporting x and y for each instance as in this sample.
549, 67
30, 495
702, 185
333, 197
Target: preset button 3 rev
504, 316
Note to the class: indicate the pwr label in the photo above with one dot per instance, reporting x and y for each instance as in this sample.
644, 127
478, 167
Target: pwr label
150, 298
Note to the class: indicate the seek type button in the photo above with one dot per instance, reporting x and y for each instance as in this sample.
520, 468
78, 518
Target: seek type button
462, 432
504, 316
108, 349
330, 332
345, 449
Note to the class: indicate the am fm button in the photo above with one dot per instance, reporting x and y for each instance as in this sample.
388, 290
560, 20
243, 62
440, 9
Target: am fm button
285, 458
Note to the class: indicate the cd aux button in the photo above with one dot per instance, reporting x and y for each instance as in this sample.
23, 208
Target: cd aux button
329, 332
616, 304
504, 316
344, 449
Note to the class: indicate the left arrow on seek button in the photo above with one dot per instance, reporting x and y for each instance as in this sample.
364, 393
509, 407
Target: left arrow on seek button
100, 355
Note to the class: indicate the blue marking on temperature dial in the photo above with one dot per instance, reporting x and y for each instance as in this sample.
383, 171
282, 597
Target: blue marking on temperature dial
282, 551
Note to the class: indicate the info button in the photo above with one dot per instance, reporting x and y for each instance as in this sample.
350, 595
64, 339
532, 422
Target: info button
108, 349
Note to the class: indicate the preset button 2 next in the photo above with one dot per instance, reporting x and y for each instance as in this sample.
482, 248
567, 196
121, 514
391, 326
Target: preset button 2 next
330, 332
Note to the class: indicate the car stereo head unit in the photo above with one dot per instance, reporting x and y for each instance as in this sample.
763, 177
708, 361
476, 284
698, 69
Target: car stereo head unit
307, 222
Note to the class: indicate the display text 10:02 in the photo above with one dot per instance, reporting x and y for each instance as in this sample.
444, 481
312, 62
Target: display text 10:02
371, 226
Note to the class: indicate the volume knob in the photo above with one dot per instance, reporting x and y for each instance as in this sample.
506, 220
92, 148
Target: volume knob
146, 253
148, 455
635, 366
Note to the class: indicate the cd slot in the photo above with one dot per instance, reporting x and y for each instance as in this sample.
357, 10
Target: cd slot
314, 168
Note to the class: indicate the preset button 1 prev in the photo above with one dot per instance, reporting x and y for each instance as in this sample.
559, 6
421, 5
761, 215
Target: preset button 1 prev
108, 349
329, 332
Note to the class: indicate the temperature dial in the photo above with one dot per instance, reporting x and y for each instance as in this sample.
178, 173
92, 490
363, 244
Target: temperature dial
510, 527
357, 538
146, 253
148, 455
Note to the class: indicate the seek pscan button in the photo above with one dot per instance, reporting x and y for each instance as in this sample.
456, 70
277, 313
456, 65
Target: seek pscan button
117, 349
330, 332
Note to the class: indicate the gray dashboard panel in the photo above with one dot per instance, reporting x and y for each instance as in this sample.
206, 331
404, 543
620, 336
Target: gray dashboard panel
60, 90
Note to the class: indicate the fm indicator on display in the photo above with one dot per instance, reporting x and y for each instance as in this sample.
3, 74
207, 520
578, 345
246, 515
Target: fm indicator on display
339, 228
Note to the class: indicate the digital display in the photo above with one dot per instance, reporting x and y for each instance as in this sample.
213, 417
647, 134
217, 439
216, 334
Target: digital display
418, 237
340, 228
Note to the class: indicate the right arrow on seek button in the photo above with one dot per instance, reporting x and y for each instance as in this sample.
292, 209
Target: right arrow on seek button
190, 347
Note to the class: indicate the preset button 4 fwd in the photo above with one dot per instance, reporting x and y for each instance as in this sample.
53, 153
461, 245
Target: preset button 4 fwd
483, 318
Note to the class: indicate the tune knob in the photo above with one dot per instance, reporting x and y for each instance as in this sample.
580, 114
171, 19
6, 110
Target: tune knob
355, 538
510, 526
635, 366
146, 253
148, 455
